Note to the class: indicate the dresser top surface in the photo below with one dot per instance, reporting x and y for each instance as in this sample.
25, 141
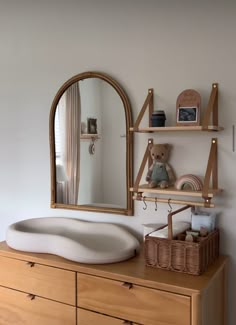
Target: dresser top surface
133, 270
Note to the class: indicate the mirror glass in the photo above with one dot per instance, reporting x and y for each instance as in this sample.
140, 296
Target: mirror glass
91, 145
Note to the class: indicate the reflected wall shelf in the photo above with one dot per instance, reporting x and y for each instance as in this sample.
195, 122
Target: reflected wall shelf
211, 175
88, 136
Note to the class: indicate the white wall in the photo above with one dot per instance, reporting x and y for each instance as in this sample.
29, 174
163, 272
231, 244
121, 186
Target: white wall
167, 45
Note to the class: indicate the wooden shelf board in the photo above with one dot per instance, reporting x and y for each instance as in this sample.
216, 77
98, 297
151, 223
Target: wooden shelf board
172, 191
178, 128
87, 136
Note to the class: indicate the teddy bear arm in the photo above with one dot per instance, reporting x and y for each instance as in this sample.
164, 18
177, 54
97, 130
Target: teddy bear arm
149, 173
171, 174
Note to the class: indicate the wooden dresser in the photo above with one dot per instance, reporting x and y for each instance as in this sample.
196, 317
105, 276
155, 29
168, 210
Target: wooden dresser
43, 289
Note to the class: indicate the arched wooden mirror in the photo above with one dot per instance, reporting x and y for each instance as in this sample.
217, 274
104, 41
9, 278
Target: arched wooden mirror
91, 146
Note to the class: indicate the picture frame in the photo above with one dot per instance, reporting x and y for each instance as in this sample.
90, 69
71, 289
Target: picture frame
92, 126
188, 106
187, 115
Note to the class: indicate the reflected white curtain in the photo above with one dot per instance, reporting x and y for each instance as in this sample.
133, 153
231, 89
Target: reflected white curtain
68, 188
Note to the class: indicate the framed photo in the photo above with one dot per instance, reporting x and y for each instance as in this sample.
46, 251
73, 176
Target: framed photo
92, 126
188, 106
188, 115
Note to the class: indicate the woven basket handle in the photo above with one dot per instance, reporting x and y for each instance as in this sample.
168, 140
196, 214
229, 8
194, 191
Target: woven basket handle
170, 223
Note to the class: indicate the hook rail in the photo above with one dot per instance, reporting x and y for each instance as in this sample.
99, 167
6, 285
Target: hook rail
173, 201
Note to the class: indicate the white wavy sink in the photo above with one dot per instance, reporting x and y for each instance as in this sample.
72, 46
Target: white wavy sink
79, 241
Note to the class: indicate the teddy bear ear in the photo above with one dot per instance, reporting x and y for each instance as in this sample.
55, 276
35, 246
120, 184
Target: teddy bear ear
167, 146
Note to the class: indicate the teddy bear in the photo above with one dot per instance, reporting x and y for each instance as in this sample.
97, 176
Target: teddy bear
160, 172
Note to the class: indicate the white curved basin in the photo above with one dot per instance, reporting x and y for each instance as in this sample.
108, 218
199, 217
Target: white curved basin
76, 240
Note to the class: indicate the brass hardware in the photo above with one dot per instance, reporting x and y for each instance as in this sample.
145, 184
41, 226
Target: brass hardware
140, 195
145, 204
155, 203
32, 297
170, 210
127, 285
31, 264
207, 202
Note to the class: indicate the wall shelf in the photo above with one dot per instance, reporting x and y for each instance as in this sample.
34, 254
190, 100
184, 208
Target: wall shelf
144, 188
206, 195
198, 128
211, 175
210, 111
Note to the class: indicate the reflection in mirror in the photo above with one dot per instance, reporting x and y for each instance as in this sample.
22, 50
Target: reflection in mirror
91, 146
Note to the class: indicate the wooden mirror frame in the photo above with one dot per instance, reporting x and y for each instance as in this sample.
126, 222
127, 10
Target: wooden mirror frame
129, 146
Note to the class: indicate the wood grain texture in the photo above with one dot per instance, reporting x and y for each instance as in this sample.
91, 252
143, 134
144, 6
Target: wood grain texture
44, 281
213, 302
86, 317
133, 270
154, 297
196, 310
140, 304
173, 191
16, 308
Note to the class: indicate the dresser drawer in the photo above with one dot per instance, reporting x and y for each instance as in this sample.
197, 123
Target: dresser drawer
85, 317
44, 281
139, 304
19, 308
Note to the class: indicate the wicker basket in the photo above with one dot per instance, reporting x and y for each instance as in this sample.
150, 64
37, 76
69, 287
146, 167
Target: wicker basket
179, 255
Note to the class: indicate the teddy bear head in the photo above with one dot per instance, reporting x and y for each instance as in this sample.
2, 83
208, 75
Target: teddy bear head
160, 152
